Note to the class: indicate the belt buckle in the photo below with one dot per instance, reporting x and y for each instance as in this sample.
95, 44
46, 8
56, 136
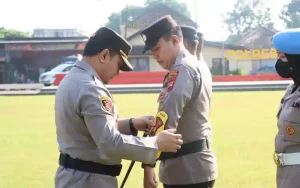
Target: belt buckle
277, 159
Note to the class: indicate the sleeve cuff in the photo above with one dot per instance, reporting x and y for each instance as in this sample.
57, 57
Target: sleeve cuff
133, 131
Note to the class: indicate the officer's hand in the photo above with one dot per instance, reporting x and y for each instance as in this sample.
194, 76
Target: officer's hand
144, 123
167, 141
149, 178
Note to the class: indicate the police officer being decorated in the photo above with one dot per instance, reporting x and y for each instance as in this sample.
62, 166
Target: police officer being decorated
184, 105
287, 140
92, 139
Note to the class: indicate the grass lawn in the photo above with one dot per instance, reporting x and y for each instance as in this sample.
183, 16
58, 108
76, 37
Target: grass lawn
244, 127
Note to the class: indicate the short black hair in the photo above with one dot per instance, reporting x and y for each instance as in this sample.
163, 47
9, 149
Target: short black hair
112, 52
174, 31
192, 43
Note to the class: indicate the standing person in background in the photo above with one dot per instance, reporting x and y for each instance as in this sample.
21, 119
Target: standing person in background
193, 42
200, 46
190, 39
287, 140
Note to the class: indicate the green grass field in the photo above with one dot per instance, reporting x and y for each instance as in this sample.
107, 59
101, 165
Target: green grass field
244, 127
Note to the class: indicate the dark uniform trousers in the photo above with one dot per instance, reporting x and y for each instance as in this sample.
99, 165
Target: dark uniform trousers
209, 184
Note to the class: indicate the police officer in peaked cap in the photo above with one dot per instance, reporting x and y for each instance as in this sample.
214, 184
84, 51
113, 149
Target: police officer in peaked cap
185, 99
193, 41
190, 38
92, 139
287, 140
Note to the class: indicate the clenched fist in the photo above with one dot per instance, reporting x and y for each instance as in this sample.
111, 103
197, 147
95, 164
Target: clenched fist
144, 123
167, 141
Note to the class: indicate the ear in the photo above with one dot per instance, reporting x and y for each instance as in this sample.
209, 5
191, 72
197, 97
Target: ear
175, 39
104, 55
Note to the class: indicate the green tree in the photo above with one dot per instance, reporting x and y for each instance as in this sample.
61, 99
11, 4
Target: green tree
132, 12
10, 33
290, 14
245, 17
117, 19
174, 4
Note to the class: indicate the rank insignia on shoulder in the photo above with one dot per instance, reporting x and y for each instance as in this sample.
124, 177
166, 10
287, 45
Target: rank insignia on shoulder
170, 85
171, 80
106, 104
174, 73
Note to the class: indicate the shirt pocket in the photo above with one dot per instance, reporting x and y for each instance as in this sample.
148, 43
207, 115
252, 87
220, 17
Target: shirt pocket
291, 125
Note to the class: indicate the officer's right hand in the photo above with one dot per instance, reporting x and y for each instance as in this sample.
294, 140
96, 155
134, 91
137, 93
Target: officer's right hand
167, 141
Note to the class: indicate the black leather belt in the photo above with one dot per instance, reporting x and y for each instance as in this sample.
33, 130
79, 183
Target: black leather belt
188, 148
88, 166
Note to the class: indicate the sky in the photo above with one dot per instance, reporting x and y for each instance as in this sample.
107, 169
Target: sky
89, 15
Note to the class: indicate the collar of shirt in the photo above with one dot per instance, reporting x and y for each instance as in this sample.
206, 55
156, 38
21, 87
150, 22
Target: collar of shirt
88, 69
182, 54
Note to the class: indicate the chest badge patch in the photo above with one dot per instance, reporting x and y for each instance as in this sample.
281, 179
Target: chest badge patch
290, 130
171, 80
106, 104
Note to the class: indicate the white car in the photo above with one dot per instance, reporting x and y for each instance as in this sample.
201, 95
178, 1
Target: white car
48, 78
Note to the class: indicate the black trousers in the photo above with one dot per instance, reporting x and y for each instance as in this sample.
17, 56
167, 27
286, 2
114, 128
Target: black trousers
209, 184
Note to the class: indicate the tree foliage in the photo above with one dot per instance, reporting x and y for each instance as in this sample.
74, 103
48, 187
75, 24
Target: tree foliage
10, 33
290, 14
129, 13
245, 17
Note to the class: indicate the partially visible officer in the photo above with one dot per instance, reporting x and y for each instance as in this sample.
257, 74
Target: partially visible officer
92, 140
192, 40
200, 46
185, 99
287, 141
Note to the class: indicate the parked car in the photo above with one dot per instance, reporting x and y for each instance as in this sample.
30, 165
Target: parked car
48, 78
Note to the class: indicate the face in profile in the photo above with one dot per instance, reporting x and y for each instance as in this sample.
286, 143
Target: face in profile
164, 52
110, 65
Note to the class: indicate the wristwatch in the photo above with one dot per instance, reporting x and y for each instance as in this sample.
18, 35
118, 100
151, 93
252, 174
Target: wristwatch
132, 129
131, 125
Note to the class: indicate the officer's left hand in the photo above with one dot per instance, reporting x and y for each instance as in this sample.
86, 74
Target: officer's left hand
150, 178
144, 123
